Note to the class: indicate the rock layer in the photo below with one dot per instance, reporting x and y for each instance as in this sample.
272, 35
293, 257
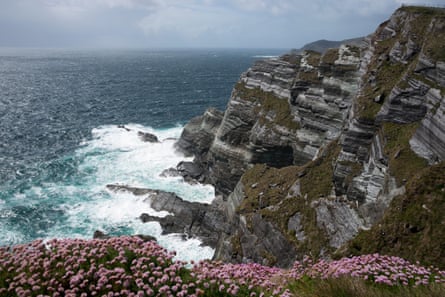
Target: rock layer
338, 136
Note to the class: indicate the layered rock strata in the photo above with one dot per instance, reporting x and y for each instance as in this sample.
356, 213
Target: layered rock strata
338, 135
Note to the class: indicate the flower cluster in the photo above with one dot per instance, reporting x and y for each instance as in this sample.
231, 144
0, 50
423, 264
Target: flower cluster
129, 266
376, 268
250, 278
124, 266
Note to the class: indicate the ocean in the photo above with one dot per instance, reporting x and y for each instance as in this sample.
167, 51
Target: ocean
61, 140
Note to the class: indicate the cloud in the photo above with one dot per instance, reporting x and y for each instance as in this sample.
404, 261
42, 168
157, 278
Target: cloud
189, 21
178, 23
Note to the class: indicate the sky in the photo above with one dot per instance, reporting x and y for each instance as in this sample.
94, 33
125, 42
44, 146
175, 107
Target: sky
189, 23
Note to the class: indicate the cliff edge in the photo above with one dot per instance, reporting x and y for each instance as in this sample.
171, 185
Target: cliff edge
336, 153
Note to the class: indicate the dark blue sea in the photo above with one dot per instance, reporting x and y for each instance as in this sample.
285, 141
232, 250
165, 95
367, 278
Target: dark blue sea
61, 141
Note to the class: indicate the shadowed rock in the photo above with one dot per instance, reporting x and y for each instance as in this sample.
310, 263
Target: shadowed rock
148, 137
193, 219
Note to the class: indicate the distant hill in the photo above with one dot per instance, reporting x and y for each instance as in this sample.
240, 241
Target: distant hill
323, 45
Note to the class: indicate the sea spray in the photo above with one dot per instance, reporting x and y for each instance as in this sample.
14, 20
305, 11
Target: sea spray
78, 205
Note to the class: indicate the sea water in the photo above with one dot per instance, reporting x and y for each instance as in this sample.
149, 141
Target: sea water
62, 138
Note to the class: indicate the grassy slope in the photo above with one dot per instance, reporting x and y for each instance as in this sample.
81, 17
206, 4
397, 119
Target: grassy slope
278, 203
414, 225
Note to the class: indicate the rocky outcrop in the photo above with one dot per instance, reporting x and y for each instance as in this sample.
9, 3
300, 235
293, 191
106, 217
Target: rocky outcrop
280, 113
199, 133
191, 219
147, 137
313, 148
191, 172
250, 238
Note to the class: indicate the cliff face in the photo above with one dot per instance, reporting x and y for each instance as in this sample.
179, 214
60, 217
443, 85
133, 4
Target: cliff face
280, 113
313, 148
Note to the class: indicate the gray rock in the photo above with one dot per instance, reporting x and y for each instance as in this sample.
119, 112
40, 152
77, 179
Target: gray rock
199, 132
148, 137
190, 171
294, 225
100, 235
339, 220
192, 219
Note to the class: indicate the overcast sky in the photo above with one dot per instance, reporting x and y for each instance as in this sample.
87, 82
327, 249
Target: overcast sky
188, 23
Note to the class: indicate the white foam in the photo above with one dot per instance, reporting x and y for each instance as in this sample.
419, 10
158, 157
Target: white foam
187, 250
118, 155
265, 56
125, 159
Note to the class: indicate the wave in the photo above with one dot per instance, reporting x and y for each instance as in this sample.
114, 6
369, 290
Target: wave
265, 56
77, 205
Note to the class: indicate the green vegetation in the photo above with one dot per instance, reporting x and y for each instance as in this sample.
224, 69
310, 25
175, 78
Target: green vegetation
313, 58
317, 181
414, 225
309, 76
330, 56
355, 50
388, 74
351, 287
271, 109
268, 191
403, 162
432, 34
424, 10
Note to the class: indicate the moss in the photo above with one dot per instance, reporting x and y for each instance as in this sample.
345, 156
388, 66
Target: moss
268, 192
403, 162
271, 186
292, 58
424, 10
413, 227
279, 109
435, 47
248, 94
271, 260
317, 181
347, 286
235, 242
309, 76
355, 50
330, 56
313, 58
431, 36
272, 110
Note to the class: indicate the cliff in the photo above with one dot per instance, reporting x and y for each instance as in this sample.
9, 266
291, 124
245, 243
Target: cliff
316, 154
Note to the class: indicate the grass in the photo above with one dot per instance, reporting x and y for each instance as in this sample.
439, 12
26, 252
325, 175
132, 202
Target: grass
388, 73
313, 58
414, 225
352, 287
403, 162
268, 191
271, 109
330, 56
309, 76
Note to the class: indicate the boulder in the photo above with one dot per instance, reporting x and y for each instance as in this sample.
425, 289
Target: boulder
148, 137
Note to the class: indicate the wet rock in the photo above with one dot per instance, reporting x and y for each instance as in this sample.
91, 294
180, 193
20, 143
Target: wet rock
191, 171
148, 137
100, 235
192, 219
